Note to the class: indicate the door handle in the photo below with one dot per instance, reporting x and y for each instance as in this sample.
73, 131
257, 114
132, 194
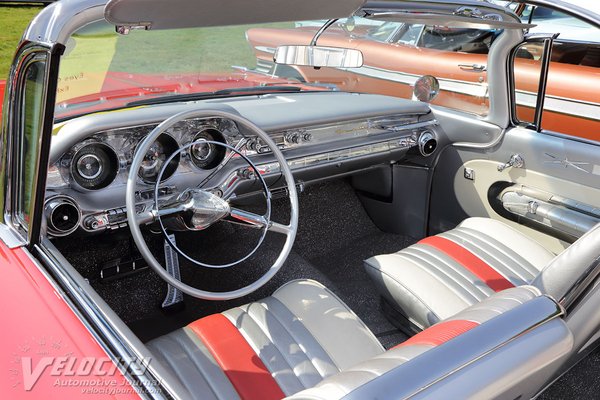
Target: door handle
473, 67
516, 161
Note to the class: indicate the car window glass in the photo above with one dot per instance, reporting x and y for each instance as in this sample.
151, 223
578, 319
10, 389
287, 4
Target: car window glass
384, 32
410, 34
527, 69
31, 124
458, 39
571, 105
102, 70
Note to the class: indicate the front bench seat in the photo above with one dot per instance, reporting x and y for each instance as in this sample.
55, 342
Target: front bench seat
268, 349
444, 274
304, 342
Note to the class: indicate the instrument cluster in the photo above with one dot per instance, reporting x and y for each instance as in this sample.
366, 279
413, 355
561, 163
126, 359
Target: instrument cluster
103, 159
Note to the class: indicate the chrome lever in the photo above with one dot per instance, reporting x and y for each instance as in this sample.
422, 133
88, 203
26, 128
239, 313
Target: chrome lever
473, 67
516, 161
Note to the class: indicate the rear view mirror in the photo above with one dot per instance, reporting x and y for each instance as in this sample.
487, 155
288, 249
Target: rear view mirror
318, 56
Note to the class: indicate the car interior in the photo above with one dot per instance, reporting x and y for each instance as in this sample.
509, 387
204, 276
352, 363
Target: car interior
354, 240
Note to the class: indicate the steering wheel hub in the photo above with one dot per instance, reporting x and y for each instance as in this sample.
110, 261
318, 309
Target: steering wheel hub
205, 208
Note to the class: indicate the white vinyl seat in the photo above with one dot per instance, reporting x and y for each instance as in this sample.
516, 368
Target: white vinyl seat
444, 274
278, 346
306, 343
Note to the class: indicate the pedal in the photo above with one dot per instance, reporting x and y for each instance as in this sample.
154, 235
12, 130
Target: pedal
121, 268
174, 299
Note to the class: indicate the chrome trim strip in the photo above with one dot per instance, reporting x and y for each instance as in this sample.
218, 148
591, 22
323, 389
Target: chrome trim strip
101, 326
11, 239
448, 85
561, 105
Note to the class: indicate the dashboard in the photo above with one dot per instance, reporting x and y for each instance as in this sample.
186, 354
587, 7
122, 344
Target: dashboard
321, 135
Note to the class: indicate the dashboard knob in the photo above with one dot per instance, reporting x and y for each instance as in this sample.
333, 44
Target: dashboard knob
293, 137
427, 143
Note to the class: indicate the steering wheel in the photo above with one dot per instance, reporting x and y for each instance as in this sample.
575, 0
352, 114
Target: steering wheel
199, 208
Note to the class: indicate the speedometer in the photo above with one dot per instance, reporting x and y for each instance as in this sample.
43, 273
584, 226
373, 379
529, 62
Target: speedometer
155, 158
94, 166
207, 155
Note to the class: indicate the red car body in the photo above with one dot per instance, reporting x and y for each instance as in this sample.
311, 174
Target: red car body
50, 331
2, 87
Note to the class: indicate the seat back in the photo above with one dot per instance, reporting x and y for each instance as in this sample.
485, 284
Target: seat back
569, 274
572, 279
507, 346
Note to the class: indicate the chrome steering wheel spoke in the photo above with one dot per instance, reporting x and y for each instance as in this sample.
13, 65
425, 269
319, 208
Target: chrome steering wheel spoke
256, 221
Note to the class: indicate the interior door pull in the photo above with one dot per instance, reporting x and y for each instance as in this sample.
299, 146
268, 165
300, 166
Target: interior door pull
516, 161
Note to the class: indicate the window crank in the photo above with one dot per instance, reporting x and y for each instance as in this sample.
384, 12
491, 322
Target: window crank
516, 161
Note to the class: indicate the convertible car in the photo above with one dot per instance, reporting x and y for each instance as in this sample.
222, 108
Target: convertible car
179, 224
397, 53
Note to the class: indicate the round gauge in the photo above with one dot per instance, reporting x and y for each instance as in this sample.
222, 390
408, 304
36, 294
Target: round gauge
89, 166
155, 158
207, 155
94, 166
427, 88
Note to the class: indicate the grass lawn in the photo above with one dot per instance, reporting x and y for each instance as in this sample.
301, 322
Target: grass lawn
213, 49
13, 21
188, 50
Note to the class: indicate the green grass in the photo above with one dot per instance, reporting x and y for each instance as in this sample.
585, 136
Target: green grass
186, 50
13, 21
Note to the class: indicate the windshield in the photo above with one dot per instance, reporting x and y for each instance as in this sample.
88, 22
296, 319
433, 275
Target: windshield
102, 70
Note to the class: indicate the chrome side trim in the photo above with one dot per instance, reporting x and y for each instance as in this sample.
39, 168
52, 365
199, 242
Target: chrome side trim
109, 331
10, 238
561, 105
482, 146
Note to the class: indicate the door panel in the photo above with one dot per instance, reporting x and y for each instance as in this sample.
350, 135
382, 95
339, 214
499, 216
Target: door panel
560, 166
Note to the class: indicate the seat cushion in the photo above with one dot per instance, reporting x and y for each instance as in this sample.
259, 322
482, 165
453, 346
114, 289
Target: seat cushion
444, 274
437, 353
269, 349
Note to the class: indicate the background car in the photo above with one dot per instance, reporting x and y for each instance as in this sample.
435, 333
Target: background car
460, 67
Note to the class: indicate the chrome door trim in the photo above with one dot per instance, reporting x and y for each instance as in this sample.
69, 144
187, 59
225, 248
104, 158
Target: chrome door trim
107, 330
11, 239
11, 133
